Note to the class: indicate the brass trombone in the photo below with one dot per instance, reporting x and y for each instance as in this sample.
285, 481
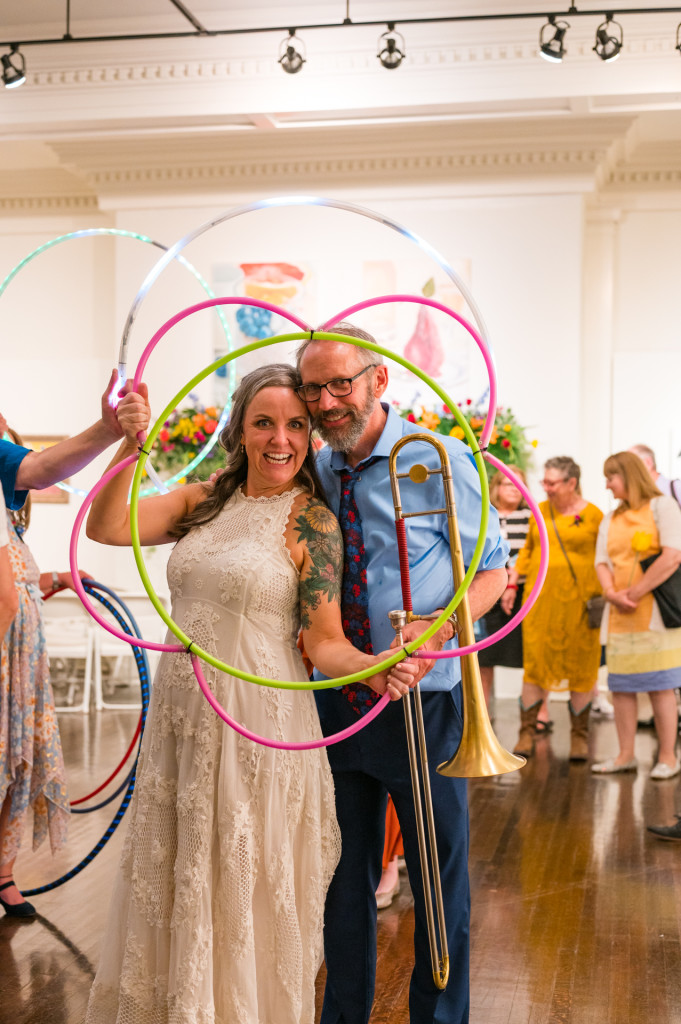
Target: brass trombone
479, 752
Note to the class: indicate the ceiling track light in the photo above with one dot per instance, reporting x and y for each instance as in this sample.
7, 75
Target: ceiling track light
13, 68
391, 48
552, 49
608, 44
291, 59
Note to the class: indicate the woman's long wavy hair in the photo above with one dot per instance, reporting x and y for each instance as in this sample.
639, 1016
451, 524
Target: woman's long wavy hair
638, 483
276, 375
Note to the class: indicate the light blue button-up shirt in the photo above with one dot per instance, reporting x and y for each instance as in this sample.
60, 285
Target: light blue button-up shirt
427, 536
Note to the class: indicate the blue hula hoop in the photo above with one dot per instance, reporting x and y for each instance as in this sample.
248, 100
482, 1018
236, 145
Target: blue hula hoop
143, 670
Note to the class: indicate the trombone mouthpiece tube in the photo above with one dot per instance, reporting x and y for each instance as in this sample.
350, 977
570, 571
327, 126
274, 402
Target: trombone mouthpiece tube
401, 531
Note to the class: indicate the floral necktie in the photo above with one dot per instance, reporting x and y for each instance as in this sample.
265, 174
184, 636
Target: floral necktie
354, 594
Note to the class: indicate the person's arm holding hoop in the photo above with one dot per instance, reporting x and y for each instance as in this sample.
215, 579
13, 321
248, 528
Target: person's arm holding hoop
109, 518
42, 469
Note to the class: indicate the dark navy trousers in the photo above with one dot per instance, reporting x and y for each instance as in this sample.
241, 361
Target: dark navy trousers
366, 768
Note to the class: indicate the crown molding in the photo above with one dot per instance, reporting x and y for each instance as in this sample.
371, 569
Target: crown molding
27, 205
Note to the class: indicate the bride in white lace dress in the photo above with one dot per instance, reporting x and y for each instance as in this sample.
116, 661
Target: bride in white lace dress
217, 911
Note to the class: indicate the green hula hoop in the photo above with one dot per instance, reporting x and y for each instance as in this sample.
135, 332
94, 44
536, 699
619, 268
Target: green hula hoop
409, 648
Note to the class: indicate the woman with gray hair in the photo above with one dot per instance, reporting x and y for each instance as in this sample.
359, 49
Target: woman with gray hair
560, 652
218, 909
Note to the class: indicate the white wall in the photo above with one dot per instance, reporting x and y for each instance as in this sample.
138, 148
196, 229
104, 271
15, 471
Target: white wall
647, 336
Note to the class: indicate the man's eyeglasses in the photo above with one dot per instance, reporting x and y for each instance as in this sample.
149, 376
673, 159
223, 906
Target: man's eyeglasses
553, 483
339, 387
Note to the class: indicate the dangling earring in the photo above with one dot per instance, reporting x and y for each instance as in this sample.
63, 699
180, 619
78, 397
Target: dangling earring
243, 449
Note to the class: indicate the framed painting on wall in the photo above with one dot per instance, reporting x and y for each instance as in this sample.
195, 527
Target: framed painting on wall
49, 495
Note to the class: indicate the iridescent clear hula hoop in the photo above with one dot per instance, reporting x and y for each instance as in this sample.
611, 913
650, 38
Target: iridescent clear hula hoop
187, 644
119, 233
284, 201
288, 201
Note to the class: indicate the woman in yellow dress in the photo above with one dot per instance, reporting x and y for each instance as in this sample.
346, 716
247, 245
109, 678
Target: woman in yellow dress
560, 652
643, 656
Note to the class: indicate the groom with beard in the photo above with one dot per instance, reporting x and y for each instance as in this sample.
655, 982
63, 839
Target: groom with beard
342, 385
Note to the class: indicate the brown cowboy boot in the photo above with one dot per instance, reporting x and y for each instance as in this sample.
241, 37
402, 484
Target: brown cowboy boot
579, 733
528, 728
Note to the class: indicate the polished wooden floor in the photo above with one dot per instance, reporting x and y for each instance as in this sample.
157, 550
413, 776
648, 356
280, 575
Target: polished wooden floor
576, 910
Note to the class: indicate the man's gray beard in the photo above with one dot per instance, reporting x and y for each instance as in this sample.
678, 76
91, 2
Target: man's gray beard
349, 438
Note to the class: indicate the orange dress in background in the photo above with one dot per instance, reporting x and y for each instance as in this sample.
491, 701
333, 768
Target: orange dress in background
560, 652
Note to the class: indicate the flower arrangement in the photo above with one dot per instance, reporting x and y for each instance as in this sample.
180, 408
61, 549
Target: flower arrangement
508, 441
182, 437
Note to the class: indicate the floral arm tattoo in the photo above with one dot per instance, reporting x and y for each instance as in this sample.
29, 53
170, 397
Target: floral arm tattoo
318, 529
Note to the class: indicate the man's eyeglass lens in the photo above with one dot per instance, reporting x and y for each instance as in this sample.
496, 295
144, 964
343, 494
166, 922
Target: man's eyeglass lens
338, 388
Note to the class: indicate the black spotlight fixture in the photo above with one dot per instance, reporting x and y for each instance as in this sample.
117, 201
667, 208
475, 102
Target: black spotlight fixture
608, 42
291, 59
13, 68
552, 49
391, 48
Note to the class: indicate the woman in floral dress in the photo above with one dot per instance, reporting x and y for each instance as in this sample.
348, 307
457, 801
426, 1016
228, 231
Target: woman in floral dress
31, 763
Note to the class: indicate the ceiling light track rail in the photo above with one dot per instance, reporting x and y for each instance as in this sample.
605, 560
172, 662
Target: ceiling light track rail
201, 30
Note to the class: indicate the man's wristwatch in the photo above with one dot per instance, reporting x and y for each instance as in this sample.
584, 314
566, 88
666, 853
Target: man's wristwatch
454, 622
55, 580
451, 619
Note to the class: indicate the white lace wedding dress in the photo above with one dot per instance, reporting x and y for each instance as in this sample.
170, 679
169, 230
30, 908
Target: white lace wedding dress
217, 910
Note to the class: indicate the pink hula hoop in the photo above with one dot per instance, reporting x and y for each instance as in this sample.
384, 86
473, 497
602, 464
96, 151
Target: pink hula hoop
484, 438
477, 338
134, 641
533, 594
209, 304
325, 741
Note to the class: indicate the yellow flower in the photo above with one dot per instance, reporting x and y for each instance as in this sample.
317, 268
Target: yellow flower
640, 542
320, 518
534, 443
457, 432
507, 427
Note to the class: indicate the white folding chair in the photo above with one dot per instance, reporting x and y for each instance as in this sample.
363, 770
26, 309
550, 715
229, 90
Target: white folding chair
70, 638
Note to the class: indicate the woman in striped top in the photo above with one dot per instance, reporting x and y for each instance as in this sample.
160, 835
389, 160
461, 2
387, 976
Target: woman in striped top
514, 520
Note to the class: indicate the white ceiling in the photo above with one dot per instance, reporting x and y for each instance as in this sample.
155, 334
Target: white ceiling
471, 105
